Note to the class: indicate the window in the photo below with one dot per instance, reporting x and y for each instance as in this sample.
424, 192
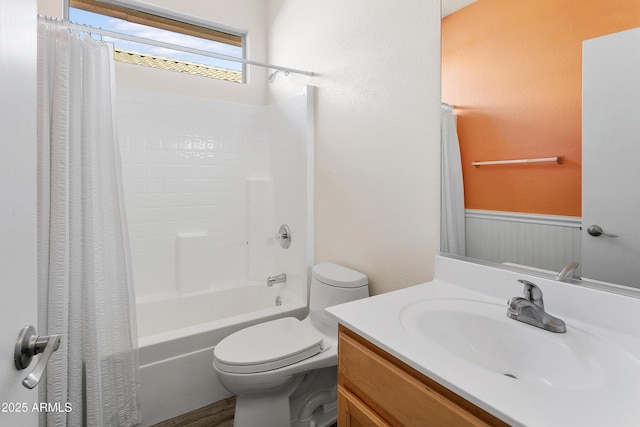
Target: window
164, 29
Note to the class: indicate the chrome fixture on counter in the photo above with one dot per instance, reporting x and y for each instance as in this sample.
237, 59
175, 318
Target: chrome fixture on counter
568, 272
530, 309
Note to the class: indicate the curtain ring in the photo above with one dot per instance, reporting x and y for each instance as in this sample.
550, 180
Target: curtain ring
87, 30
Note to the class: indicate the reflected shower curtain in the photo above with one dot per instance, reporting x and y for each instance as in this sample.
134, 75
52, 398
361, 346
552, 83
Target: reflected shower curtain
452, 228
85, 289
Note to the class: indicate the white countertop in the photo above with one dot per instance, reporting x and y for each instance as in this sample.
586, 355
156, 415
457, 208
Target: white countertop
611, 400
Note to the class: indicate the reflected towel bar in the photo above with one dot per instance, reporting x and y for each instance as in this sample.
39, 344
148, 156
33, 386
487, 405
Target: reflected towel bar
557, 159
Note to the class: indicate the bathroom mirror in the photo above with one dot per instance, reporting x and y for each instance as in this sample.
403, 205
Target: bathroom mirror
513, 72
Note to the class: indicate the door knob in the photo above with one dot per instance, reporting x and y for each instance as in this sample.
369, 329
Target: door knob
596, 230
28, 345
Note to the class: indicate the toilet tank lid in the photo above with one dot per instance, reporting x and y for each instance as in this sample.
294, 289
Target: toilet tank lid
339, 276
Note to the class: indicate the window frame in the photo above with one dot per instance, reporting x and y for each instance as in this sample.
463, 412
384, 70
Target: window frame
163, 21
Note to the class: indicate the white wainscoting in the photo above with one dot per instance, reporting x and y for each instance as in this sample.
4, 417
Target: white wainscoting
542, 241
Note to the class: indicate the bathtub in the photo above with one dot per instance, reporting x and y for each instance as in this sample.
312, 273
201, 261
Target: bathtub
176, 337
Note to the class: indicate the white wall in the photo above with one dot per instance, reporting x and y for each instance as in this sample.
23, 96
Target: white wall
377, 128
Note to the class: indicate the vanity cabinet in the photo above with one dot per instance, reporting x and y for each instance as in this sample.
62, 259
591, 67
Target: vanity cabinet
377, 389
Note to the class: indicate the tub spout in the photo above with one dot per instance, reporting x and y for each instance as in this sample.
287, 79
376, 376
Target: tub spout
280, 278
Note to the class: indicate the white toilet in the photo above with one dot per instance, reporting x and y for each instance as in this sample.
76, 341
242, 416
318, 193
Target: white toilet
283, 372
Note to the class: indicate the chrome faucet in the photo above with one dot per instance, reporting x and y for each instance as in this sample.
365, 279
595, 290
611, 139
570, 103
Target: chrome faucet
279, 278
568, 272
530, 309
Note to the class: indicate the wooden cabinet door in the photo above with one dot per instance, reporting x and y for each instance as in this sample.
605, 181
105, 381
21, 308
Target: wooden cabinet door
379, 390
354, 413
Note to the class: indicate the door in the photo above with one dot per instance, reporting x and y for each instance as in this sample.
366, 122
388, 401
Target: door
17, 202
610, 156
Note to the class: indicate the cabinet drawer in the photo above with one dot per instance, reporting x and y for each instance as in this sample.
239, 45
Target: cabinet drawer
398, 393
354, 413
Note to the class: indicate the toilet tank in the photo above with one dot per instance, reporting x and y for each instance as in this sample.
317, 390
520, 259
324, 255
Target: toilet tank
333, 284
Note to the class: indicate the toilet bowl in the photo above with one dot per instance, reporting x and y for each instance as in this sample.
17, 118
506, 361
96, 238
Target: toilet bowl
283, 372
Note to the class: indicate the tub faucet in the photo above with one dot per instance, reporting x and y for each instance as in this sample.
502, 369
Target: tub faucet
279, 278
530, 309
568, 272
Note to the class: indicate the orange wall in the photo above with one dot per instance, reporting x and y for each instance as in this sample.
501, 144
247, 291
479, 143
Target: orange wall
513, 69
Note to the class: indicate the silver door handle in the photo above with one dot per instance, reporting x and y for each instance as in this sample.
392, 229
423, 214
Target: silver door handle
28, 345
596, 230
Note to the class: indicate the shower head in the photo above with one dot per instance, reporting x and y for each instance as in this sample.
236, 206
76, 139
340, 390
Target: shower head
273, 75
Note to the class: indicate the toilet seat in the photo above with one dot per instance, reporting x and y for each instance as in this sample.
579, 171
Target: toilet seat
267, 346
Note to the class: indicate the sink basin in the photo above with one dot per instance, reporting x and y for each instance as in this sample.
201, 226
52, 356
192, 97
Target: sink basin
481, 334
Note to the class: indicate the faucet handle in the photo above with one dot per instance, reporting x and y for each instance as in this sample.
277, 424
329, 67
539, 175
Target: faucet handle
532, 292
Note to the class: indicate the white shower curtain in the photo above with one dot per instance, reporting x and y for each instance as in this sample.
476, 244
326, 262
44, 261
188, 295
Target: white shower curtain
452, 228
85, 289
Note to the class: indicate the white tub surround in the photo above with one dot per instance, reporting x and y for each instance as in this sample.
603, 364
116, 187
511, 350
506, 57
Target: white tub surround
455, 330
207, 185
191, 250
260, 229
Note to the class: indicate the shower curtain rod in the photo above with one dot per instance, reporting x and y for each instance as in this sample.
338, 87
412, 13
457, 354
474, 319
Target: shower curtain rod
136, 39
